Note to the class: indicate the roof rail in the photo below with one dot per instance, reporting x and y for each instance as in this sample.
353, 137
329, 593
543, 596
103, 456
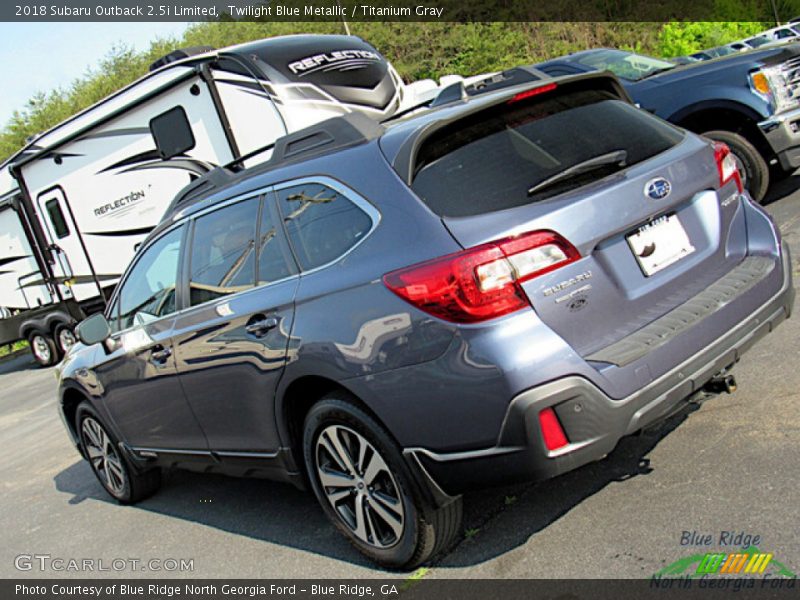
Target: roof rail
324, 137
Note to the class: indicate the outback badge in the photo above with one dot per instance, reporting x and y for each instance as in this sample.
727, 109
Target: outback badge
658, 188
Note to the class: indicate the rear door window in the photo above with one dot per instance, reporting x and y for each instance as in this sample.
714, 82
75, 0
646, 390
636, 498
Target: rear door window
223, 252
530, 150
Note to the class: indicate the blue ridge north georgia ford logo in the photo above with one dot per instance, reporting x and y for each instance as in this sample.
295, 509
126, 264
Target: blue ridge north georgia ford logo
658, 188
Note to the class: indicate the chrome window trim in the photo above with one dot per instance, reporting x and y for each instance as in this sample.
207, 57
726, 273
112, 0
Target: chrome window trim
259, 192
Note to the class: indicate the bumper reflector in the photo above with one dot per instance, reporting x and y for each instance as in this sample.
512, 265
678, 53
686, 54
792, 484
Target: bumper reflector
553, 434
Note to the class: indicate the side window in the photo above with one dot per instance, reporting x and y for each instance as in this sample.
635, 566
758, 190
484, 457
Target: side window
274, 260
60, 227
148, 292
223, 257
321, 223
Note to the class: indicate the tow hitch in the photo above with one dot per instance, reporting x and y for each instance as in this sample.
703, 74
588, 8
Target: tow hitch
721, 383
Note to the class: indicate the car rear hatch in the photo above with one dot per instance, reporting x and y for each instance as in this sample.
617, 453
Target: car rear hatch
654, 219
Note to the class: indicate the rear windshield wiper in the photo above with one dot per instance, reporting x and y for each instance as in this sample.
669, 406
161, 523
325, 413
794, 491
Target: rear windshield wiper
617, 157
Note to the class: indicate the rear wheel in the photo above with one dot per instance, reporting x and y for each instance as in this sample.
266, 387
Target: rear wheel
43, 348
752, 166
366, 489
108, 463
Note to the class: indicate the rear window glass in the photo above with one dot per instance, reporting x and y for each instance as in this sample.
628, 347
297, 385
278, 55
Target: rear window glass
529, 151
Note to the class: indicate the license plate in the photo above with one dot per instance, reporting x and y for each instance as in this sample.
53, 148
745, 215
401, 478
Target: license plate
659, 244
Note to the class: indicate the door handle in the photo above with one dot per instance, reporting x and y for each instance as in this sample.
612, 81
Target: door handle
159, 355
259, 326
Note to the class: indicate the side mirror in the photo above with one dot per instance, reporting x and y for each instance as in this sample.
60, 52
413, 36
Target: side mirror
172, 133
93, 330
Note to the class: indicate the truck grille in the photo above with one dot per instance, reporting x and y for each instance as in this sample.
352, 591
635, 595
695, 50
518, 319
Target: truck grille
791, 75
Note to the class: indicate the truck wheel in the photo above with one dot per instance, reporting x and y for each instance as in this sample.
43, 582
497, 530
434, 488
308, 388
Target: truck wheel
365, 487
752, 166
43, 348
65, 339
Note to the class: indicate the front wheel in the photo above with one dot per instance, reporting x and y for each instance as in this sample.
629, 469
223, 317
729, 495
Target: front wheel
752, 166
366, 489
109, 465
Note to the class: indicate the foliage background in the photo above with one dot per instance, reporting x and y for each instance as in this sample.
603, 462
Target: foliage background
417, 50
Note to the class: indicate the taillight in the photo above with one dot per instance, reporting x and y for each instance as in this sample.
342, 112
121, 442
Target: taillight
542, 89
552, 432
726, 165
483, 282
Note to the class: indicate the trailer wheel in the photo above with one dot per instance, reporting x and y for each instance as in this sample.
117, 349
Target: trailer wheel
43, 348
65, 339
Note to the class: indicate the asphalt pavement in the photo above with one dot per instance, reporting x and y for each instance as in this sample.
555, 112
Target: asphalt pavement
728, 464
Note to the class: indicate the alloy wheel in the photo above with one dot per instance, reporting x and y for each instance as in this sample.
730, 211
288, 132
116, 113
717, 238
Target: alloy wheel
359, 486
66, 339
103, 456
740, 167
41, 349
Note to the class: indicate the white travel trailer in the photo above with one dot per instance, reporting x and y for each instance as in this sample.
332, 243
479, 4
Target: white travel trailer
91, 188
21, 282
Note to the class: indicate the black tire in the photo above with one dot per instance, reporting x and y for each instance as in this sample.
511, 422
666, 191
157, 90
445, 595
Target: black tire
43, 348
426, 531
131, 485
756, 172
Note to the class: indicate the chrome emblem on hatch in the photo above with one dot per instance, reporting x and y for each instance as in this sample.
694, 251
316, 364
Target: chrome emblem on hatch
658, 188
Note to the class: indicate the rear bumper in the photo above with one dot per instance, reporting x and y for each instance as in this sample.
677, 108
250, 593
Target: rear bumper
593, 421
783, 135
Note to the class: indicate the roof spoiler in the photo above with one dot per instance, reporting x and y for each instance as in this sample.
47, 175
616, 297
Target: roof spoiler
458, 92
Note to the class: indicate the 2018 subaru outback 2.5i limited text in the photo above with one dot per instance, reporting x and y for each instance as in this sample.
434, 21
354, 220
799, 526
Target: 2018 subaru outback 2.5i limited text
497, 289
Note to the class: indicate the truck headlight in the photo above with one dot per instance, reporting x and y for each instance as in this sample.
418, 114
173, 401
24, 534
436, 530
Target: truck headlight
770, 84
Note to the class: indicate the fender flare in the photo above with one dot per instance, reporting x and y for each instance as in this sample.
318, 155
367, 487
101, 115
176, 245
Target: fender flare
730, 105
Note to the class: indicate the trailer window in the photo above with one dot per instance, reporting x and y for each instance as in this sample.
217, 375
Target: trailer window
57, 219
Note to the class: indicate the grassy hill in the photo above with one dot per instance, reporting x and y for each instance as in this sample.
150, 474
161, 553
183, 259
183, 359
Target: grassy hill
417, 50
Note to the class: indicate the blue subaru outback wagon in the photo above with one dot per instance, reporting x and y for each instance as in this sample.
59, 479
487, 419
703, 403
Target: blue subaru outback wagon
495, 289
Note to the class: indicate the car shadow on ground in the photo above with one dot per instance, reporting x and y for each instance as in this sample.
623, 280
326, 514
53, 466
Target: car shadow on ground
783, 185
530, 508
280, 514
19, 362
